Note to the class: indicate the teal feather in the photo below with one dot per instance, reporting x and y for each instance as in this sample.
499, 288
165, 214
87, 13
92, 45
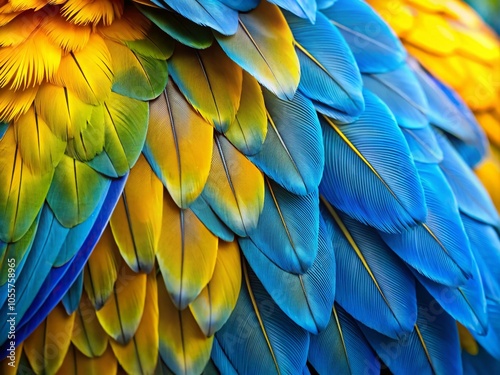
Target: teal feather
259, 337
288, 229
372, 275
241, 5
329, 74
342, 348
292, 153
71, 299
301, 8
208, 217
309, 297
364, 162
375, 46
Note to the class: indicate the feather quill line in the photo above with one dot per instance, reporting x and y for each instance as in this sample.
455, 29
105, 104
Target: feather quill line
420, 337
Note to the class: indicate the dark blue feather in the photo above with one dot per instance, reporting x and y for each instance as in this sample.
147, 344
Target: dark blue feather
432, 347
370, 274
329, 74
211, 13
481, 363
401, 92
438, 249
301, 8
342, 348
241, 5
364, 162
259, 337
292, 154
374, 44
307, 299
472, 197
287, 232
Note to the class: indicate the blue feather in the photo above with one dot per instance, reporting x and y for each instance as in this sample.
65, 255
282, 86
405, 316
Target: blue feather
259, 337
323, 4
72, 269
220, 359
292, 154
301, 8
490, 341
480, 364
71, 299
287, 232
241, 5
364, 162
307, 299
3, 128
472, 197
329, 74
433, 349
374, 44
208, 217
342, 348
423, 145
438, 249
401, 92
371, 275
211, 13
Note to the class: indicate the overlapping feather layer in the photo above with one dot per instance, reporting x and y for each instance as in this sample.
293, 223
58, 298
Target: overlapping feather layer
246, 187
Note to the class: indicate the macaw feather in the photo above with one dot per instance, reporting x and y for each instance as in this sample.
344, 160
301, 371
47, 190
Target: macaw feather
272, 61
155, 44
181, 29
48, 344
137, 219
88, 72
235, 188
372, 275
122, 312
125, 122
65, 35
140, 354
179, 145
376, 48
208, 217
88, 336
75, 191
342, 347
329, 74
22, 191
187, 253
301, 8
91, 11
288, 229
130, 26
423, 145
309, 298
71, 299
135, 75
215, 303
14, 103
292, 154
75, 362
248, 130
257, 346
210, 81
183, 346
101, 270
363, 164
61, 109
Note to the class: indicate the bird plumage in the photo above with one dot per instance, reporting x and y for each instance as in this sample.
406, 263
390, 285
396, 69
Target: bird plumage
221, 186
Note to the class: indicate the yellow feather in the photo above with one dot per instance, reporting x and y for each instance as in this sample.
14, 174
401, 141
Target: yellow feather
210, 81
18, 30
137, 219
40, 149
29, 63
65, 114
22, 191
88, 335
27, 4
89, 141
396, 13
467, 341
7, 369
131, 26
479, 93
217, 300
67, 36
489, 174
187, 347
87, 72
121, 314
490, 122
186, 253
78, 364
235, 188
84, 12
47, 346
14, 103
140, 355
179, 142
101, 269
